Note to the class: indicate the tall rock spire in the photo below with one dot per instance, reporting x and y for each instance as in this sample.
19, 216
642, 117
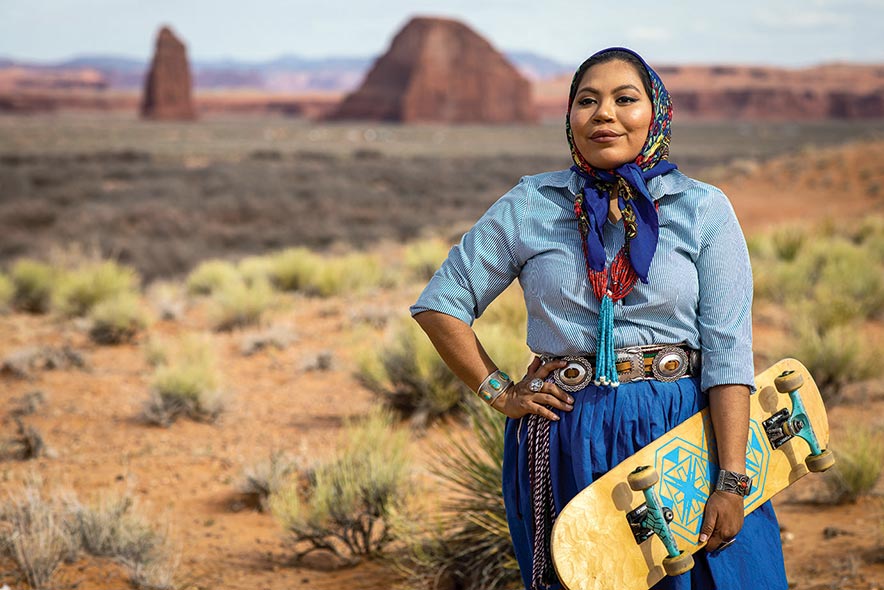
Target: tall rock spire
167, 88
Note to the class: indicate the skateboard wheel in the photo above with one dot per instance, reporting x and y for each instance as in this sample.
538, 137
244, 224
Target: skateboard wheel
674, 566
642, 478
788, 382
821, 462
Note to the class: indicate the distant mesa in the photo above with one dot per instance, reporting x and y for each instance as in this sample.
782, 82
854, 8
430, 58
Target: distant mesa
440, 71
168, 85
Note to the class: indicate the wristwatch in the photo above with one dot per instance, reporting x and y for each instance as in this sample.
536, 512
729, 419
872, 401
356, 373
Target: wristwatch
734, 483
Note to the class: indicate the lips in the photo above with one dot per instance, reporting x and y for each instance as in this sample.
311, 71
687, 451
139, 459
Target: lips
604, 136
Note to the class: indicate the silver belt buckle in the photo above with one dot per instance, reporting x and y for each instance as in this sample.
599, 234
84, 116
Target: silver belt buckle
574, 376
670, 364
636, 360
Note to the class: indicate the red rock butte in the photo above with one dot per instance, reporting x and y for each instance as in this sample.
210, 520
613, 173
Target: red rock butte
168, 85
440, 71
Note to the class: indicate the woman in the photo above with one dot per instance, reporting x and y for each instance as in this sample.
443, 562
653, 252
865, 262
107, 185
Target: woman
639, 294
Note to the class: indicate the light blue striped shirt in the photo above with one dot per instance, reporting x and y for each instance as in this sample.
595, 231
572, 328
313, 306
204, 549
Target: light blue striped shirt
699, 287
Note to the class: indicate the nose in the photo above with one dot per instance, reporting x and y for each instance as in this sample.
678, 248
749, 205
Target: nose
604, 113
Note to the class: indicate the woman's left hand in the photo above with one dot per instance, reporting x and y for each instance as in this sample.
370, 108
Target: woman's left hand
722, 520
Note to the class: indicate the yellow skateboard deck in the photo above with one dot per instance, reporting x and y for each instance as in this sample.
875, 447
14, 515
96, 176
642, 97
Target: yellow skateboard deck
596, 547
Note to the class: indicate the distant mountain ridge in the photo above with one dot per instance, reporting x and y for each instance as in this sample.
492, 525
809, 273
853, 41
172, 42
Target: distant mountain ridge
286, 73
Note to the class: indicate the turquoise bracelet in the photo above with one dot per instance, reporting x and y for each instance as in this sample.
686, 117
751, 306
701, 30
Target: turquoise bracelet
493, 386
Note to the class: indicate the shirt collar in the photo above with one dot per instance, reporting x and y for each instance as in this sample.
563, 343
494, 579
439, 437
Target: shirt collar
671, 183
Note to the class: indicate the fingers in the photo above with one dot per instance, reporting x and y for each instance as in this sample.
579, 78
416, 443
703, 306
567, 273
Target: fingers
707, 531
545, 369
723, 519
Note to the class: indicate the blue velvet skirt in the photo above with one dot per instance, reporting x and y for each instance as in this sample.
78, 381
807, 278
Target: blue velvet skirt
607, 426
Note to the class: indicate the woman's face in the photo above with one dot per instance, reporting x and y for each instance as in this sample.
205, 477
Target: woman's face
610, 115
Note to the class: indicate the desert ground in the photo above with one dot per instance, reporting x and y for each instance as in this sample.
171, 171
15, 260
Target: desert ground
163, 197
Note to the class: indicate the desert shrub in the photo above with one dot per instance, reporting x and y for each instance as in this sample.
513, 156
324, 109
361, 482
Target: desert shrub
34, 534
267, 478
835, 357
110, 528
347, 503
187, 385
167, 299
80, 289
410, 377
352, 273
236, 304
858, 466
424, 257
33, 282
210, 276
291, 269
27, 445
117, 320
255, 269
7, 292
467, 544
787, 242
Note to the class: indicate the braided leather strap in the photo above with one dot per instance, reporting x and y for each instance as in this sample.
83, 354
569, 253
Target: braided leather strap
543, 513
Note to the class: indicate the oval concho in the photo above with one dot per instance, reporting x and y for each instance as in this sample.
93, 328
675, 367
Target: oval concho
574, 376
670, 363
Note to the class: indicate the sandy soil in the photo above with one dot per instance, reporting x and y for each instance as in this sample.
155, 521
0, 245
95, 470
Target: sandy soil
187, 474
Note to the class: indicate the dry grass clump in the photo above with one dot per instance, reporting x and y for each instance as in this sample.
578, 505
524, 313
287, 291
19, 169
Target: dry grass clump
346, 504
860, 461
80, 289
255, 269
33, 282
117, 320
292, 268
467, 543
236, 304
167, 299
299, 269
265, 479
7, 292
424, 257
210, 276
27, 445
831, 280
186, 383
410, 377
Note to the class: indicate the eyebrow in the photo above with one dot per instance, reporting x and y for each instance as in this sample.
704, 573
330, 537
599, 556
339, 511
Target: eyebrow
618, 89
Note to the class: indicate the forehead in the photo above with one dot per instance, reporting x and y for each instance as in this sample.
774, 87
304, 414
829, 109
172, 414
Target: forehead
611, 74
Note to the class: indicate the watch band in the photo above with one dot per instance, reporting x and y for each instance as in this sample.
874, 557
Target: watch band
734, 483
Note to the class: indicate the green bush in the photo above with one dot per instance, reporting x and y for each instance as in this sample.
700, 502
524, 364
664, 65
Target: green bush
117, 320
424, 257
82, 288
210, 276
255, 269
33, 282
236, 304
346, 505
187, 385
292, 268
7, 292
353, 273
467, 544
835, 357
267, 478
858, 466
410, 377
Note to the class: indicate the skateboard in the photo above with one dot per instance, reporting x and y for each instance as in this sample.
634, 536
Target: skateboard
641, 520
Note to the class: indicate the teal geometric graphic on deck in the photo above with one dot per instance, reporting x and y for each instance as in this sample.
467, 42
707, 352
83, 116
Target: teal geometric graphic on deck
758, 452
685, 473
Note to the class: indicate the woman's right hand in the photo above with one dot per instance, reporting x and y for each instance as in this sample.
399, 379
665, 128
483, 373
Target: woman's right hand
519, 400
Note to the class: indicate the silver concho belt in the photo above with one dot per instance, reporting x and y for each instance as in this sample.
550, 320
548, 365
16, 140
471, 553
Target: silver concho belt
663, 362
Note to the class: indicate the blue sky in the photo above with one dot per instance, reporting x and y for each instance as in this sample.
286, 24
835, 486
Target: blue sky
779, 32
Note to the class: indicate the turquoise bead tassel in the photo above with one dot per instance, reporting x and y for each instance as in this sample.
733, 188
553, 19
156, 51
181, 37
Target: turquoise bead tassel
605, 358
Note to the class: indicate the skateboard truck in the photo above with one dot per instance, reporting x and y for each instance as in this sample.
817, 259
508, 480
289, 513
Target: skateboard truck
784, 425
651, 519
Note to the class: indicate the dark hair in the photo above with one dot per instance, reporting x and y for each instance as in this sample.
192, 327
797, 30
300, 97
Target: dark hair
618, 55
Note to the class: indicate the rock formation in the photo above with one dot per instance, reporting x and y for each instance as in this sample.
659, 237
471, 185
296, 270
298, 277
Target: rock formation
440, 70
167, 88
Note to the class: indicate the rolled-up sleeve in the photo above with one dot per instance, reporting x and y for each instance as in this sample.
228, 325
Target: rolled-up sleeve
482, 265
725, 298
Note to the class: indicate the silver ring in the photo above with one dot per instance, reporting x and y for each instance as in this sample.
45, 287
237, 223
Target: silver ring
726, 544
536, 385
